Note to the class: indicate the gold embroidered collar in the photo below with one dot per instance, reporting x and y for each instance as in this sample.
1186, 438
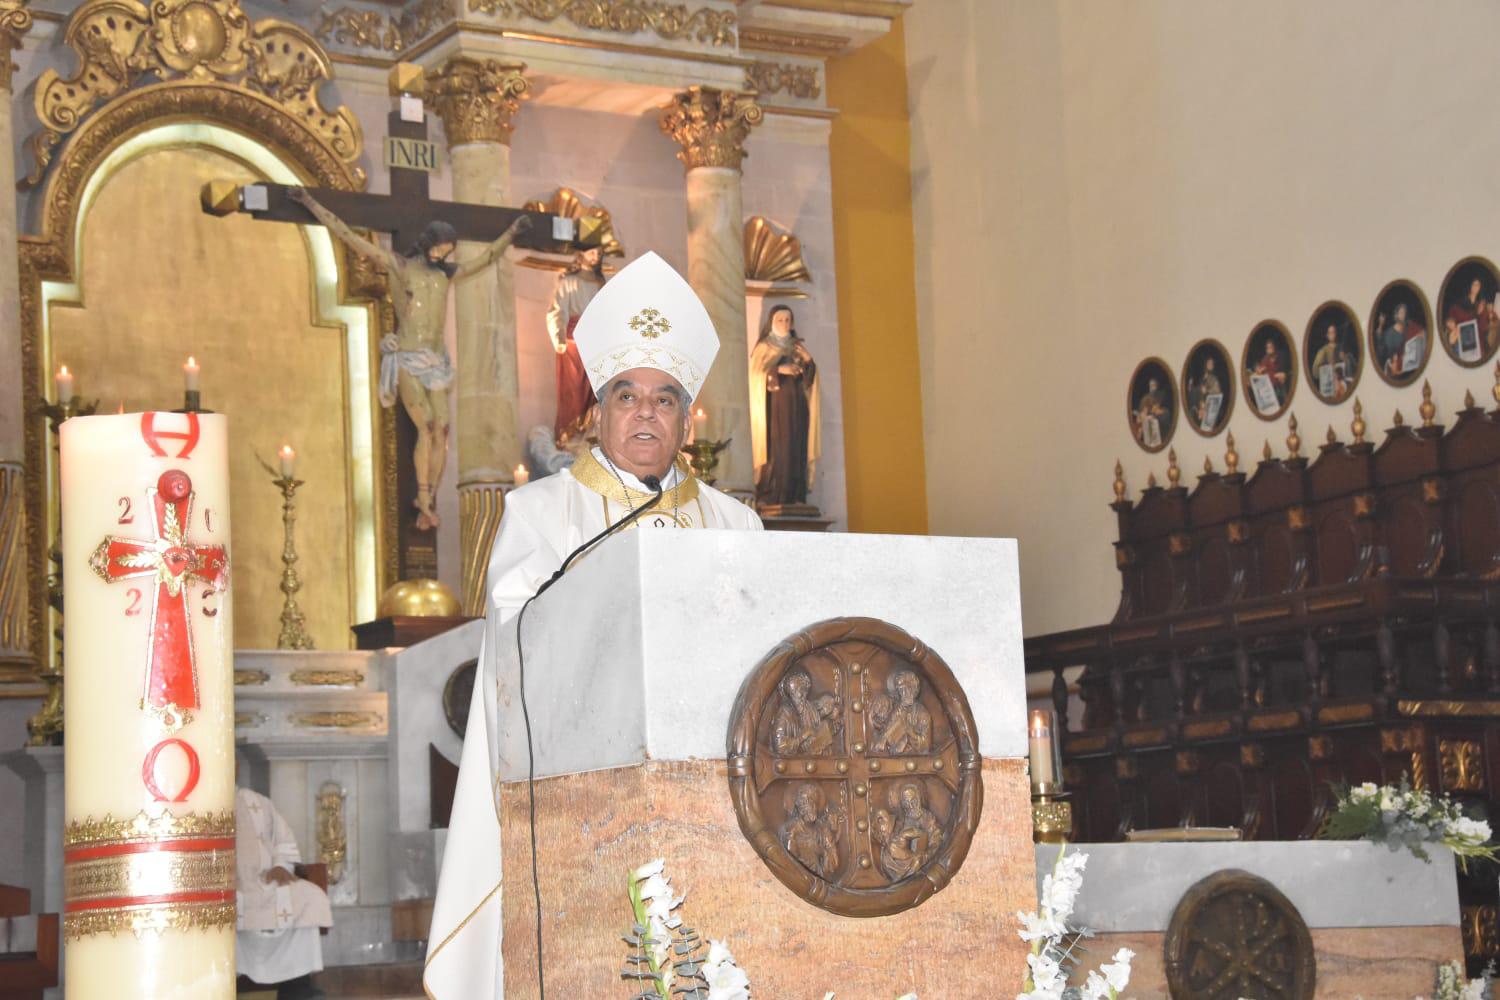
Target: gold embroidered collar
591, 473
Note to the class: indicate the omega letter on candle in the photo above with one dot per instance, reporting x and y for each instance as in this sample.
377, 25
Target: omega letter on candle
148, 861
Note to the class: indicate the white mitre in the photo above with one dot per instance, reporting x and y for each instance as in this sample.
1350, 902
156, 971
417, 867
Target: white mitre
647, 316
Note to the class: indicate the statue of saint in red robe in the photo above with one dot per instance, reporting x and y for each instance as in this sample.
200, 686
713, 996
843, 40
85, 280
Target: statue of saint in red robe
575, 289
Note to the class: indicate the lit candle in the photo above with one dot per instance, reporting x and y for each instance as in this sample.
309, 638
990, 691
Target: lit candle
700, 423
288, 461
523, 475
1043, 750
64, 386
148, 811
190, 374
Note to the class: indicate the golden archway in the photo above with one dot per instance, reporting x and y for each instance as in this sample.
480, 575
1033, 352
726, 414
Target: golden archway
270, 139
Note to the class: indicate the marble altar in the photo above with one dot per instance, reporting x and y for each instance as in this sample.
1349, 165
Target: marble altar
1381, 922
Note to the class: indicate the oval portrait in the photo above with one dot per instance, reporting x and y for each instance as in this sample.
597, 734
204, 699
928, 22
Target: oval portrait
1268, 369
1151, 404
1333, 352
1400, 333
1469, 304
1207, 388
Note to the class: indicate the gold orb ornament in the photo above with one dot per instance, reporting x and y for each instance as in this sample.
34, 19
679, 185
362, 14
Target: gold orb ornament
419, 599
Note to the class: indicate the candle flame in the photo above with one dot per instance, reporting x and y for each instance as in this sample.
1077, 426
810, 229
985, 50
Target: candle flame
286, 451
191, 362
1040, 724
62, 371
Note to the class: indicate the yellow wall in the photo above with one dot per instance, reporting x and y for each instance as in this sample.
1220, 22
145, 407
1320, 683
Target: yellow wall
1095, 183
872, 239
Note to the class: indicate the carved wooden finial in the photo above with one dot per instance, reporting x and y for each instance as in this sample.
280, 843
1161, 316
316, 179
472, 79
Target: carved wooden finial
1174, 474
1428, 409
1358, 426
1293, 440
1150, 481
1332, 437
1119, 482
1265, 452
1231, 457
1398, 419
1208, 466
1468, 399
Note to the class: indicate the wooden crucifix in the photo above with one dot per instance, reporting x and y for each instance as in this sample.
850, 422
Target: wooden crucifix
415, 367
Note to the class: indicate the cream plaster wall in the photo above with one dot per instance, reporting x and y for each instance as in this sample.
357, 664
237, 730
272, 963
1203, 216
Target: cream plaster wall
1095, 183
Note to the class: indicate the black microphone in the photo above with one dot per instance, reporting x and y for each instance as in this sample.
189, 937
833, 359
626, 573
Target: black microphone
654, 484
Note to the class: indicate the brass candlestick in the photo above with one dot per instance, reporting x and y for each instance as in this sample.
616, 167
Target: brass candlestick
1051, 816
45, 728
703, 456
1051, 813
293, 624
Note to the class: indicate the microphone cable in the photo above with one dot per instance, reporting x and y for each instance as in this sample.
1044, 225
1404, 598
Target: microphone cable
653, 483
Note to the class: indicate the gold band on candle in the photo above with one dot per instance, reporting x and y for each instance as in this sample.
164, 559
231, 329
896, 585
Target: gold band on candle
149, 872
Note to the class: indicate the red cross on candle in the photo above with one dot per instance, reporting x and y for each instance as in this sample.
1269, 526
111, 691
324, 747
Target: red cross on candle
171, 689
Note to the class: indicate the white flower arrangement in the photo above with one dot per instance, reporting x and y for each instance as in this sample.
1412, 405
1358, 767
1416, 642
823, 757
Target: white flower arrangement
1053, 942
1401, 816
1452, 984
665, 956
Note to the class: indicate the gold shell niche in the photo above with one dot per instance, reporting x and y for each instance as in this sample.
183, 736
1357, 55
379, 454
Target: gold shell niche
772, 254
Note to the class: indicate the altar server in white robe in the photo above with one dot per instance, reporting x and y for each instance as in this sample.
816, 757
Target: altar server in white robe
277, 914
647, 343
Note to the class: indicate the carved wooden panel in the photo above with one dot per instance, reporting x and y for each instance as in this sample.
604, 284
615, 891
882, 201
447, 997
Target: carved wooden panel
1406, 537
1224, 796
1235, 935
1338, 549
854, 767
1164, 801
1277, 559
1215, 571
1294, 798
1156, 583
1477, 513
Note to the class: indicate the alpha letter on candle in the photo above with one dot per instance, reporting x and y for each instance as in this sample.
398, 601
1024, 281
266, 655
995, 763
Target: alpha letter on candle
148, 859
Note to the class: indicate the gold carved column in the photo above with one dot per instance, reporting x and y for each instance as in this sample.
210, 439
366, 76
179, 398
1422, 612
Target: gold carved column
15, 630
711, 126
477, 100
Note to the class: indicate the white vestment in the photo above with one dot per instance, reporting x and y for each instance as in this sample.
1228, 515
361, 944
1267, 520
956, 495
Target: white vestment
277, 924
542, 523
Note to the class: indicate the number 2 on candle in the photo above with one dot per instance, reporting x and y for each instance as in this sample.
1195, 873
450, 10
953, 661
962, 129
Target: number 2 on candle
134, 594
126, 517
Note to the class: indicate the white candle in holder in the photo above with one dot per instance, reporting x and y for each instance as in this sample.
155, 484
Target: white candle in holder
288, 461
1043, 750
523, 475
64, 386
190, 374
148, 847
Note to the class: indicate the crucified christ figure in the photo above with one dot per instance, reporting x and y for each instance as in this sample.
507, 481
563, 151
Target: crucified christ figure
414, 362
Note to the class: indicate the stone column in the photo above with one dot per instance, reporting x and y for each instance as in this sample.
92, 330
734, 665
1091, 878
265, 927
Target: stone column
711, 126
15, 633
477, 100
